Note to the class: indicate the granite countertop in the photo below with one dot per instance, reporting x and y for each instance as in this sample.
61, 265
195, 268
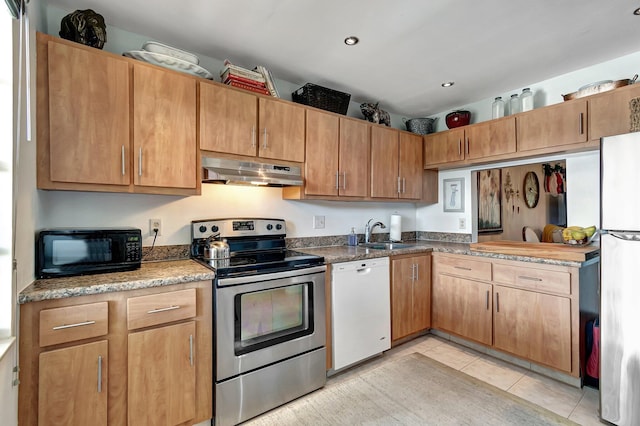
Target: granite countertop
336, 254
150, 274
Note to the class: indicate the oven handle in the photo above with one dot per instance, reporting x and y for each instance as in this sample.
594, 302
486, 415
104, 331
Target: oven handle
225, 282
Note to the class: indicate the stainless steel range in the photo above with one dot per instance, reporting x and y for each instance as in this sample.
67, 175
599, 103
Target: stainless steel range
269, 317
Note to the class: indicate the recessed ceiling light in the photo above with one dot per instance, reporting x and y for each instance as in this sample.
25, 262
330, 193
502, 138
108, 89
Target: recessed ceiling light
637, 11
351, 40
448, 84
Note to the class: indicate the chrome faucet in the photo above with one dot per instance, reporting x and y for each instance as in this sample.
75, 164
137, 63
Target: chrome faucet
369, 229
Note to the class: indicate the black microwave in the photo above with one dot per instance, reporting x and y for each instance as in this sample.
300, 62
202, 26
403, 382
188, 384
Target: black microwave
67, 252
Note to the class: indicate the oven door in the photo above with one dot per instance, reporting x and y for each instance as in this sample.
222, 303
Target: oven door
266, 318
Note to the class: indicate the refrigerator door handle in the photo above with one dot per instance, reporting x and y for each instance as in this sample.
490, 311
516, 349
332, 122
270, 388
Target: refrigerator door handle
626, 236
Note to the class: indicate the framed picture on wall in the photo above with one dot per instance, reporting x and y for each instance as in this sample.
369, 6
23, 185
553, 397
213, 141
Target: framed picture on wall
489, 201
453, 195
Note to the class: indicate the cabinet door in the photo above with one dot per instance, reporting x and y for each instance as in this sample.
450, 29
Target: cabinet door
609, 113
228, 120
533, 325
444, 147
88, 116
560, 124
410, 166
161, 375
164, 128
491, 138
402, 289
321, 157
281, 131
422, 293
384, 162
72, 386
463, 307
353, 157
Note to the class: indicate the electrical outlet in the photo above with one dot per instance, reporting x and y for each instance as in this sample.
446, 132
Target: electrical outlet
153, 225
462, 223
318, 222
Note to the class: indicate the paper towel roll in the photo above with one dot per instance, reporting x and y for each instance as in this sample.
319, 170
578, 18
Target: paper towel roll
395, 231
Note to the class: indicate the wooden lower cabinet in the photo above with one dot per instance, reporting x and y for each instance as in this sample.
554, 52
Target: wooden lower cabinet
73, 385
528, 310
156, 373
162, 375
463, 307
410, 295
533, 325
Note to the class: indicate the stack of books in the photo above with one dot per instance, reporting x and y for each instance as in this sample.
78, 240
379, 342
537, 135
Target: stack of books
258, 80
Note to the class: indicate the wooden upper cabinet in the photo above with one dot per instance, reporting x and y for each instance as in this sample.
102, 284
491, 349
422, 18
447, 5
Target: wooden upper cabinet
88, 115
384, 162
443, 147
73, 385
164, 128
410, 168
321, 158
491, 138
228, 120
555, 125
281, 133
353, 157
609, 113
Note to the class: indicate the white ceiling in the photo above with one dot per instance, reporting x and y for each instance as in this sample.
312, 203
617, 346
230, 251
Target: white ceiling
407, 47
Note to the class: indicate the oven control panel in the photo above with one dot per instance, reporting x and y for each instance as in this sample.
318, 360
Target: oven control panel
243, 227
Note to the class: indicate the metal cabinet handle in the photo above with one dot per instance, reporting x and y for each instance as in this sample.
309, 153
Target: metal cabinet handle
404, 185
417, 272
77, 324
524, 277
253, 136
398, 184
140, 162
191, 349
462, 267
168, 308
413, 272
344, 180
264, 142
467, 146
122, 159
497, 302
487, 300
99, 373
459, 147
337, 179
581, 123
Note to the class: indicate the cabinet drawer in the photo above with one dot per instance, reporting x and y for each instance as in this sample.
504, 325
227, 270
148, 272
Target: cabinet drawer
534, 279
463, 266
145, 311
61, 325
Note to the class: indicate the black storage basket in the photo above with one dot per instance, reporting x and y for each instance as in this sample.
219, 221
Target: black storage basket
323, 98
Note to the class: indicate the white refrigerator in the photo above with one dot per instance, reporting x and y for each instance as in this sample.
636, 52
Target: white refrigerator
620, 279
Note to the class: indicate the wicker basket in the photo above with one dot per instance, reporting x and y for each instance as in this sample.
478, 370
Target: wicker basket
323, 98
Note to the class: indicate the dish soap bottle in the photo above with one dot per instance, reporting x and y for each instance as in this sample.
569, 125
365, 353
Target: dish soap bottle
352, 238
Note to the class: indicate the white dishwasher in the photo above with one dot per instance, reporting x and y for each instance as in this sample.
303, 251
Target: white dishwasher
360, 310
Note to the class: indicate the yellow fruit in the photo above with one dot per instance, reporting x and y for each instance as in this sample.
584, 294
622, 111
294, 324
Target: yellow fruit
566, 234
578, 235
590, 231
575, 228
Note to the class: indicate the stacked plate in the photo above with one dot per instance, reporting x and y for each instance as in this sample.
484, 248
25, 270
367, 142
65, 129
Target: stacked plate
169, 57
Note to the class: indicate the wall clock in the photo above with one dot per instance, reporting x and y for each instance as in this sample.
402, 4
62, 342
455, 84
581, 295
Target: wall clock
531, 189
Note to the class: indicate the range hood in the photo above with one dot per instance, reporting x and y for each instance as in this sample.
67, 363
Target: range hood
225, 171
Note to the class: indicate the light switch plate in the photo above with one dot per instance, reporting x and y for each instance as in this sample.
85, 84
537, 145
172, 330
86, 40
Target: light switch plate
318, 222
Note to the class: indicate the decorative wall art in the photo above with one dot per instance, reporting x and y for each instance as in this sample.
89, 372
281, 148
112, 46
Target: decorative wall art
489, 201
453, 195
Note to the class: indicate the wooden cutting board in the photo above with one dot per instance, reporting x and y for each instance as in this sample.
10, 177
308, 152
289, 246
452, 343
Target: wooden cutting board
544, 250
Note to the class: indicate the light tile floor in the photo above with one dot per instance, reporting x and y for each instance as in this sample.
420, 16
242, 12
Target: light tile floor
578, 405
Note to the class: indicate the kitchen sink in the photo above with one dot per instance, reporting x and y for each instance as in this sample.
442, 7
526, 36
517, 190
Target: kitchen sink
385, 246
